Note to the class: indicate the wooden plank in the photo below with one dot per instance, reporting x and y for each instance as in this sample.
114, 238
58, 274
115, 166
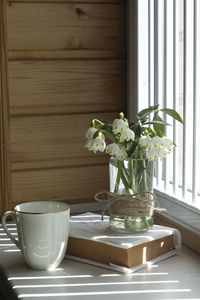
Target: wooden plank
69, 1
70, 86
92, 159
63, 184
61, 26
5, 189
51, 138
66, 54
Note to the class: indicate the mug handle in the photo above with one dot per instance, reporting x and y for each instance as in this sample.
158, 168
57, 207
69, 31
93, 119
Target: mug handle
9, 213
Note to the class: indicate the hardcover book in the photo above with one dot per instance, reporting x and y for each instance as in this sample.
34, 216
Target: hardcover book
91, 239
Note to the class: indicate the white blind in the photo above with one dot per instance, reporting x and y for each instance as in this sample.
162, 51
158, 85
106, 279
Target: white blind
169, 75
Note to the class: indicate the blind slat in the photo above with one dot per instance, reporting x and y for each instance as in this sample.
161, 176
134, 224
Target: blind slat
165, 86
194, 167
150, 52
175, 89
184, 102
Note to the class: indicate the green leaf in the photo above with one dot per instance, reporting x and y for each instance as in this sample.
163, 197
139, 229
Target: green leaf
172, 113
144, 120
147, 111
114, 163
136, 127
159, 128
131, 149
158, 122
107, 125
133, 126
110, 135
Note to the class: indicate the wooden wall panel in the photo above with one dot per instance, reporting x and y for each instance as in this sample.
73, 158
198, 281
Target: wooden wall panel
77, 184
66, 86
70, 1
62, 26
67, 65
40, 139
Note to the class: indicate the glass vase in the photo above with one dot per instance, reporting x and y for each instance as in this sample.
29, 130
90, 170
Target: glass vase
131, 176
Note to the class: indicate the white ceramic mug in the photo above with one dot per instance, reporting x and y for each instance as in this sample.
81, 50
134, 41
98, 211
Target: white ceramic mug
43, 229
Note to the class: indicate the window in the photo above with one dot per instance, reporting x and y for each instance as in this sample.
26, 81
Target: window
166, 63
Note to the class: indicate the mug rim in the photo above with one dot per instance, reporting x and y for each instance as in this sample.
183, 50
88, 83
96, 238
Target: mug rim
41, 213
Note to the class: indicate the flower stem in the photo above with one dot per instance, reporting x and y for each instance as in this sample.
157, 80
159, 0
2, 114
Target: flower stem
144, 187
132, 170
127, 175
123, 178
117, 181
120, 175
96, 120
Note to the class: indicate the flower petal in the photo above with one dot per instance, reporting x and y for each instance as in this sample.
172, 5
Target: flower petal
127, 135
118, 126
90, 133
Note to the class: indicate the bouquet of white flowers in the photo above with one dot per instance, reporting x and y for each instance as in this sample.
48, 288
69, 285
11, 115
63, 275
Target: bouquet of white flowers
128, 138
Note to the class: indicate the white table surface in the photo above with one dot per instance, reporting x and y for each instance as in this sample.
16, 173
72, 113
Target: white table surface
175, 278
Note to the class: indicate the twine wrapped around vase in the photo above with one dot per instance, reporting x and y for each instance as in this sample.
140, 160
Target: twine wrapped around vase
136, 205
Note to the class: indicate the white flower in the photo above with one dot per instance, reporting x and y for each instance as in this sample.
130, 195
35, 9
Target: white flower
119, 126
89, 144
126, 135
167, 143
153, 153
97, 144
112, 149
90, 133
156, 142
145, 141
122, 154
159, 148
163, 153
116, 150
